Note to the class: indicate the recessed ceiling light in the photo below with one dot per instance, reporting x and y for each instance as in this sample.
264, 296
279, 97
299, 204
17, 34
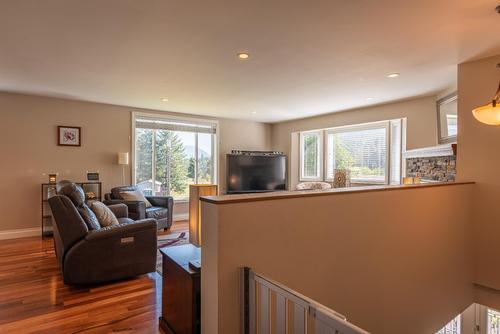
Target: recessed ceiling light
243, 55
164, 99
393, 75
253, 112
369, 98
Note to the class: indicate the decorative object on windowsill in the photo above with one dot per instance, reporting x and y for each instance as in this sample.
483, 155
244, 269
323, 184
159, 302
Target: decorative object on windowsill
123, 161
341, 178
411, 180
313, 185
69, 136
490, 113
93, 176
53, 177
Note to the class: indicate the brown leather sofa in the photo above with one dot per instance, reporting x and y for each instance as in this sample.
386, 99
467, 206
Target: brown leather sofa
162, 209
88, 254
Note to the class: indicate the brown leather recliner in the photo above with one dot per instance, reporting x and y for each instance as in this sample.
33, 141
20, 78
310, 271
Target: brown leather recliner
162, 209
88, 254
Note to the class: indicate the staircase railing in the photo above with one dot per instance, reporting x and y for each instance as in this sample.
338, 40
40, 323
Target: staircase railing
269, 307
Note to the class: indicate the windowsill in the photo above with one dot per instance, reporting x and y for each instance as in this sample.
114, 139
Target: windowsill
353, 181
368, 182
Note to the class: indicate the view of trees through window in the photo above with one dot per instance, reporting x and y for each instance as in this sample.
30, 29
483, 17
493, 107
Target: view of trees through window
363, 153
168, 161
453, 327
493, 322
485, 320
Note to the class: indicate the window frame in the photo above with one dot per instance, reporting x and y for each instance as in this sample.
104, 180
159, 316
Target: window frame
362, 127
192, 120
320, 144
324, 148
439, 104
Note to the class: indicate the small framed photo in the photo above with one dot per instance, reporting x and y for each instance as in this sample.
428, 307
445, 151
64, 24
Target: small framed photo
69, 136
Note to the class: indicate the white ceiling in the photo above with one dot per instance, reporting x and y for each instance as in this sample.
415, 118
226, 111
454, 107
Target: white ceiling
307, 57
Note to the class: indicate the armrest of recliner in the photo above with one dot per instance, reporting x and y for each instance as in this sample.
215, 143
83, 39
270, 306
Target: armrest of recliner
122, 230
163, 201
137, 208
119, 210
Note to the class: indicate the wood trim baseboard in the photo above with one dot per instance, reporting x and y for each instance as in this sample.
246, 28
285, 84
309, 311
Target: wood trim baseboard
20, 233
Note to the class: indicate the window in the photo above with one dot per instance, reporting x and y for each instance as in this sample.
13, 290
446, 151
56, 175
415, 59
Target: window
360, 149
451, 124
493, 322
171, 154
453, 327
371, 152
310, 147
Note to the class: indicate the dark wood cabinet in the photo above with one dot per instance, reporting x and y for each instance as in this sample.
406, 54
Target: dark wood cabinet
181, 290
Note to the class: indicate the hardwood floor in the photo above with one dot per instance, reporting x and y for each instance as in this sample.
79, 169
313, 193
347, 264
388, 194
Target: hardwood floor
33, 298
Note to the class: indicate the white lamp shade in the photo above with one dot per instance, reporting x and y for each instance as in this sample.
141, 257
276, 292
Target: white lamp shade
123, 158
488, 114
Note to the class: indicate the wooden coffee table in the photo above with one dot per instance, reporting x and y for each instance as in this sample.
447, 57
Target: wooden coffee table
181, 290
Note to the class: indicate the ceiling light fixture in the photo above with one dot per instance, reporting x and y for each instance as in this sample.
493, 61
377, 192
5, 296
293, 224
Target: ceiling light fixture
369, 98
490, 113
164, 99
393, 75
253, 112
243, 55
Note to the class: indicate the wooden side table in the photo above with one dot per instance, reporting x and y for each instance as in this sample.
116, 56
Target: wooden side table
181, 293
195, 192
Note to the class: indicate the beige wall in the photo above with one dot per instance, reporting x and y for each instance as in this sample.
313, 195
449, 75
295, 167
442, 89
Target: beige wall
235, 134
479, 160
405, 258
28, 146
420, 113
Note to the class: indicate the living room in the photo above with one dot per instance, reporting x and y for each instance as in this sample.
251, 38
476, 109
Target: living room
358, 135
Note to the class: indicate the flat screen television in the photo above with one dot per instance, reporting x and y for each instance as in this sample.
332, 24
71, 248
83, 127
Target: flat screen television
250, 173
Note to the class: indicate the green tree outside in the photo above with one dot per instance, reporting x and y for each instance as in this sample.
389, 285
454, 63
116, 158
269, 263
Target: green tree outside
171, 162
144, 154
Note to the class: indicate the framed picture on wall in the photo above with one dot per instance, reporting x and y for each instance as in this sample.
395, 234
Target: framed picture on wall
69, 136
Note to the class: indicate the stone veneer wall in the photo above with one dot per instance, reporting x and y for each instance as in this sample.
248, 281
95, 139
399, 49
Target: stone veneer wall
442, 169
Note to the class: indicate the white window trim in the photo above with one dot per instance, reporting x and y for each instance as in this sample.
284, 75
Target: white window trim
361, 127
401, 134
323, 149
215, 146
320, 168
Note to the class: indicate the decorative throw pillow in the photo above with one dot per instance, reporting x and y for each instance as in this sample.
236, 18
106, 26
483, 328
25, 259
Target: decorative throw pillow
89, 217
104, 215
135, 195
